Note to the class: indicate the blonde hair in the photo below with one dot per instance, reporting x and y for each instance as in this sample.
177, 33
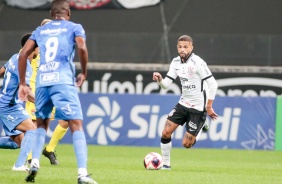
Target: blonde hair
45, 21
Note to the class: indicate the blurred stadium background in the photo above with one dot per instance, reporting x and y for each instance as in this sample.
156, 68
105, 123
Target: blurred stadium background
225, 32
235, 38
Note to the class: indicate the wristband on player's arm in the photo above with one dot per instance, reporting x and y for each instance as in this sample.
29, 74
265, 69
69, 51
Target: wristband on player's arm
165, 83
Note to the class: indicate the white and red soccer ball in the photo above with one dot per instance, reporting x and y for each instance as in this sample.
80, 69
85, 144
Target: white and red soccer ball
153, 161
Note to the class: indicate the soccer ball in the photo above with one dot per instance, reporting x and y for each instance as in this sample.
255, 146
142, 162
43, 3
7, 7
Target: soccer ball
153, 161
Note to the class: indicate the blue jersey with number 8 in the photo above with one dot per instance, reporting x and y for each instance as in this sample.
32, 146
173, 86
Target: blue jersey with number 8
56, 42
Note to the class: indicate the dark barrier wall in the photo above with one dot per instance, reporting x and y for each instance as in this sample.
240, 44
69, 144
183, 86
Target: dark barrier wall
225, 32
140, 82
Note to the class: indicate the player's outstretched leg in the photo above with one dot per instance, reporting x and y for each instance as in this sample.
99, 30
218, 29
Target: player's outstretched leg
51, 156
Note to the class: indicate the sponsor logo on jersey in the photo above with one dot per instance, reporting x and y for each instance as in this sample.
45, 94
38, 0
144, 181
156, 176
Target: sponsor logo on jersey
54, 31
49, 77
189, 87
183, 79
49, 66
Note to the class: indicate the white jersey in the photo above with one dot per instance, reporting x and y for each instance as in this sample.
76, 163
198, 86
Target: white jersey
192, 75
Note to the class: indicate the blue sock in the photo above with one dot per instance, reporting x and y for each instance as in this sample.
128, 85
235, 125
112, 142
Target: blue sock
80, 148
26, 146
7, 143
39, 143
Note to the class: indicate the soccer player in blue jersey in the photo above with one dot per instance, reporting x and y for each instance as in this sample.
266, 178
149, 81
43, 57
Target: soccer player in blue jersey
56, 82
14, 117
13, 139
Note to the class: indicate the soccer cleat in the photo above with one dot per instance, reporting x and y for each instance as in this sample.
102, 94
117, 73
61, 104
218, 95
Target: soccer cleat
165, 167
21, 168
85, 180
31, 174
205, 128
51, 155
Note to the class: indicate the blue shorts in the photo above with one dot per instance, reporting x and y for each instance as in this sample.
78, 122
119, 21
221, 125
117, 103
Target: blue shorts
11, 116
12, 132
63, 97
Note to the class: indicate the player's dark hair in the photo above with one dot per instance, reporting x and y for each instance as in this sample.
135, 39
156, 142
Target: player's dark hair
25, 38
185, 38
59, 6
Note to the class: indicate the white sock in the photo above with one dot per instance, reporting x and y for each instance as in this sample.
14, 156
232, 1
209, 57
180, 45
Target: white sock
165, 149
35, 162
82, 172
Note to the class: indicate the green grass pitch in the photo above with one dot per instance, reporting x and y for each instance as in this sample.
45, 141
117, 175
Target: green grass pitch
124, 165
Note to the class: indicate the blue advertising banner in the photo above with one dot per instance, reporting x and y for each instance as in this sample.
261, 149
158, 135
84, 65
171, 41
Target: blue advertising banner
243, 123
138, 120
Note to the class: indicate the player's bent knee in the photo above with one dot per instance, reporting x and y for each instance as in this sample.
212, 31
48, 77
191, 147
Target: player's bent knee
64, 124
166, 134
187, 145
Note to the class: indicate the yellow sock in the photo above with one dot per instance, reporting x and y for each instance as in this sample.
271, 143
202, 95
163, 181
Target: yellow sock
29, 156
58, 134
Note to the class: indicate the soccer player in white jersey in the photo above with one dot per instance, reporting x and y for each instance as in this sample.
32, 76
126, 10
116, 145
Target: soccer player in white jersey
56, 82
14, 117
194, 103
